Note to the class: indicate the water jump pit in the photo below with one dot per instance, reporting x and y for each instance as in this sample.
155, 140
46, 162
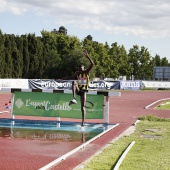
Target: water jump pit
53, 131
50, 130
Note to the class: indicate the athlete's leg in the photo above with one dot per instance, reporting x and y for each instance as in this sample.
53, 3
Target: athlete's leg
75, 90
83, 109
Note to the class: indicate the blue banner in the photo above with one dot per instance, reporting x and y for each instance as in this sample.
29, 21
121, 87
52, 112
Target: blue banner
67, 84
130, 85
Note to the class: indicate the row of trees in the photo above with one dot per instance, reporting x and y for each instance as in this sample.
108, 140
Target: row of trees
56, 55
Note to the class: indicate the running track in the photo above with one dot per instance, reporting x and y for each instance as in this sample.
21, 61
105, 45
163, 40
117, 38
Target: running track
32, 155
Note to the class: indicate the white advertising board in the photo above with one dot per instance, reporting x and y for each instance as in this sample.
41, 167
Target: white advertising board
14, 83
156, 84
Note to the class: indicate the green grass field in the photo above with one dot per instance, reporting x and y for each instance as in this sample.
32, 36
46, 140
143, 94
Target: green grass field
151, 150
164, 105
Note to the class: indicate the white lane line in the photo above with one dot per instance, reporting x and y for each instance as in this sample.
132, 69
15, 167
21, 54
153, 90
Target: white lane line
123, 155
156, 102
4, 112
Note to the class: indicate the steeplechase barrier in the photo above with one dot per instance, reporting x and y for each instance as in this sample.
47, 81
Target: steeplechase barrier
43, 100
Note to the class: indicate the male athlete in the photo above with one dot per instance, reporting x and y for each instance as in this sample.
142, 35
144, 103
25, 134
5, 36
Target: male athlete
80, 86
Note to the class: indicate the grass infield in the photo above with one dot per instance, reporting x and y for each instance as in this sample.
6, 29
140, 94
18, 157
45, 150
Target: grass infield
151, 149
164, 105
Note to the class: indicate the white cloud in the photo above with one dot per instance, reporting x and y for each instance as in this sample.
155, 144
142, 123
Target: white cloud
7, 6
145, 18
3, 5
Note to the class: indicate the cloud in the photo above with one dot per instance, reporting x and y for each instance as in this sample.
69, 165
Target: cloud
7, 6
131, 17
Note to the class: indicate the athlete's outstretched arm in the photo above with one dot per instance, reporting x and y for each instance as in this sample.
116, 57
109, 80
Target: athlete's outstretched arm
91, 62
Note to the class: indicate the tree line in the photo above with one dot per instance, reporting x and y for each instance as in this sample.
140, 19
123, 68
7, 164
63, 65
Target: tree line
55, 55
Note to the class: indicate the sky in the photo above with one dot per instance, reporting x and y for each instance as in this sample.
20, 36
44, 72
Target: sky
127, 22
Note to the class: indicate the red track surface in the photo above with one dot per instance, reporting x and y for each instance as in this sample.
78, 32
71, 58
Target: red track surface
32, 155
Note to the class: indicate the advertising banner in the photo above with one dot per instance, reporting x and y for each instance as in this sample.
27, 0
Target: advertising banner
67, 84
56, 105
14, 83
130, 85
50, 84
156, 84
104, 85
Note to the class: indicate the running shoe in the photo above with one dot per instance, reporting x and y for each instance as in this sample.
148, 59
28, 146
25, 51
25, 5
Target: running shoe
74, 101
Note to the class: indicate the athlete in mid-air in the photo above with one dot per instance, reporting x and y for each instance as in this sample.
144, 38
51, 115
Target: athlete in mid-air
80, 86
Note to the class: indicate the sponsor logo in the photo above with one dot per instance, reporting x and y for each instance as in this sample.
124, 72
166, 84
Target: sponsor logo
135, 84
19, 103
46, 105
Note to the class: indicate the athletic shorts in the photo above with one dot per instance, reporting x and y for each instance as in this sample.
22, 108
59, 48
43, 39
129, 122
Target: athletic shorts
81, 91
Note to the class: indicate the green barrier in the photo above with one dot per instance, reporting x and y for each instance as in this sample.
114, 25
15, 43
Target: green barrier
56, 105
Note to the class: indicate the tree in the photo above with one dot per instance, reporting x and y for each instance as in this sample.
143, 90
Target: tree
164, 61
103, 66
56, 54
134, 56
2, 55
26, 58
50, 56
114, 65
70, 63
8, 56
122, 60
17, 56
157, 60
146, 64
33, 49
